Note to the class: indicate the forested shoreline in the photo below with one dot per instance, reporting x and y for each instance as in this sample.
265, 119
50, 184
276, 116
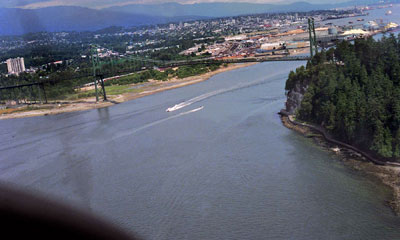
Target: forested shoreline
353, 91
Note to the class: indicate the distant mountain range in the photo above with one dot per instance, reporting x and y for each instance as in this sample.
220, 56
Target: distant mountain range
16, 21
19, 21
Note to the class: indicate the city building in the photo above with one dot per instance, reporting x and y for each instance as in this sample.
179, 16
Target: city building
16, 65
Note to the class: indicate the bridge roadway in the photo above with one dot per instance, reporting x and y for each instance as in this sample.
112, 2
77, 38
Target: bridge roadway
234, 60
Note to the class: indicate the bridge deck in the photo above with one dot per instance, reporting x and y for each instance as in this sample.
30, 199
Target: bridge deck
193, 62
237, 60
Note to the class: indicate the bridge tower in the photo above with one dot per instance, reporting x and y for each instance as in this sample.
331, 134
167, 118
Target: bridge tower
97, 73
313, 37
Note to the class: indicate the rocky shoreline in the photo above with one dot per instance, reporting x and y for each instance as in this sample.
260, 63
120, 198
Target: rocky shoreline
388, 175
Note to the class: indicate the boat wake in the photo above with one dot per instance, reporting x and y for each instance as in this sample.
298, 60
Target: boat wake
193, 100
215, 93
127, 133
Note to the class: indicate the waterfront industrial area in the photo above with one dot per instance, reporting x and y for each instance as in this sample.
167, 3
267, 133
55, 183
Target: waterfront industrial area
291, 36
225, 38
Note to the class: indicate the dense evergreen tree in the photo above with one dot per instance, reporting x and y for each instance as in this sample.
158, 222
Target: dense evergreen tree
354, 92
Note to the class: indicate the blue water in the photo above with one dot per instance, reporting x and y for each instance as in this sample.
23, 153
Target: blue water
229, 170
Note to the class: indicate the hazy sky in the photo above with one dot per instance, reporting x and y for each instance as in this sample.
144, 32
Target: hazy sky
108, 3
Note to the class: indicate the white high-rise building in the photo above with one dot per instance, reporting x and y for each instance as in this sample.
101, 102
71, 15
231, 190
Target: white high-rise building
16, 65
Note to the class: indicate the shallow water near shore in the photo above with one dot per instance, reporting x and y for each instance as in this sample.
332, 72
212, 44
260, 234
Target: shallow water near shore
221, 167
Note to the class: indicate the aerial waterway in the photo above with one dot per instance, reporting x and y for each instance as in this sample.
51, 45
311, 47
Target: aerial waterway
220, 165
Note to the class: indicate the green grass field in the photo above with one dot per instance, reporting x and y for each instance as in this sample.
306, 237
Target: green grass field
110, 90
